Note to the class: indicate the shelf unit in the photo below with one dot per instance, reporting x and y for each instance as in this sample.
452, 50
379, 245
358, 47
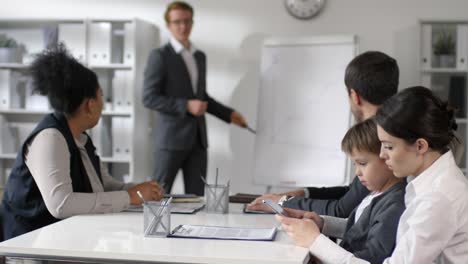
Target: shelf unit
444, 68
117, 51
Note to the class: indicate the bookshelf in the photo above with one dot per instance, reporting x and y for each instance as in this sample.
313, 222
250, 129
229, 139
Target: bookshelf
444, 68
117, 51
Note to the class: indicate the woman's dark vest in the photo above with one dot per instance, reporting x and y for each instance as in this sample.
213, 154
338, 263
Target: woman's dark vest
24, 208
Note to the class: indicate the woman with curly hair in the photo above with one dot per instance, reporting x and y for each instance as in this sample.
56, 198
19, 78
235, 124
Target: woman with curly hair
57, 173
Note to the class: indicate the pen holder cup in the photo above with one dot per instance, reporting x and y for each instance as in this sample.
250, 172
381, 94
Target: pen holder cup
217, 198
156, 219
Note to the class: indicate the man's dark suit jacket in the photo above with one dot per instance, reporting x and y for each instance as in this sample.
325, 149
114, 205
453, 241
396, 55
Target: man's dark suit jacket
349, 198
166, 89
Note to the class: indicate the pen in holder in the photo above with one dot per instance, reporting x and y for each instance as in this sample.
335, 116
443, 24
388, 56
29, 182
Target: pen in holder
217, 197
156, 218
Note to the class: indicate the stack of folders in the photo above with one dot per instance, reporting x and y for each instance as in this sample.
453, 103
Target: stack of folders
181, 204
184, 198
100, 46
111, 43
222, 232
242, 198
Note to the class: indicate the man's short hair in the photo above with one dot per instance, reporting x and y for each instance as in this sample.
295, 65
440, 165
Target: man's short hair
373, 75
177, 5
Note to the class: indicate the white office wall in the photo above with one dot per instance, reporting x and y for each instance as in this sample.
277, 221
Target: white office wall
231, 33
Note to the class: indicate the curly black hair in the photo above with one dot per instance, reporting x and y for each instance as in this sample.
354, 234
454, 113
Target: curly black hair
63, 79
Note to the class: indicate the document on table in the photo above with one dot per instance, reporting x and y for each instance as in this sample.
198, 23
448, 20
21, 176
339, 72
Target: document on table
180, 208
221, 232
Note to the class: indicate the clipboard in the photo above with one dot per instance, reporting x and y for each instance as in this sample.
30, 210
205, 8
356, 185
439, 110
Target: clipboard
223, 233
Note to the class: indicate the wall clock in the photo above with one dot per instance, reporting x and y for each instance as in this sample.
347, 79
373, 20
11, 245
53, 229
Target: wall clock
304, 9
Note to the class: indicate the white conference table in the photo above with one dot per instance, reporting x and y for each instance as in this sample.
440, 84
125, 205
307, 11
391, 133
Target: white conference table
119, 237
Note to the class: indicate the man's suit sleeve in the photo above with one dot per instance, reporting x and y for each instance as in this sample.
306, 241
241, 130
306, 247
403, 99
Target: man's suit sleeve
219, 110
339, 208
154, 88
327, 193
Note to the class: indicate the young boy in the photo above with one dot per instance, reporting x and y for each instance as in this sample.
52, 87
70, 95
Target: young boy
370, 231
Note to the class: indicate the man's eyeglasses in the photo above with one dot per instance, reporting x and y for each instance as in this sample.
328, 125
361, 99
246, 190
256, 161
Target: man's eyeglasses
187, 22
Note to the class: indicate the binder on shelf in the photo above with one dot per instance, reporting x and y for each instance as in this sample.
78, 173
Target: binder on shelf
121, 134
50, 35
129, 43
102, 138
122, 90
5, 87
24, 129
10, 82
15, 134
33, 100
105, 81
100, 36
128, 91
462, 43
457, 95
426, 60
8, 137
74, 37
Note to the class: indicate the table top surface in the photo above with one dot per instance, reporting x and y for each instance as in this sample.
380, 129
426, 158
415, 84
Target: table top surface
119, 237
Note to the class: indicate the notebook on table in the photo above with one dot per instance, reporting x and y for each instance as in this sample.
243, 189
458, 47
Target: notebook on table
243, 198
246, 210
179, 208
184, 198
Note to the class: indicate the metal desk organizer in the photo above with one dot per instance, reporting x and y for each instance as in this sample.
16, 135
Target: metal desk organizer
157, 218
217, 198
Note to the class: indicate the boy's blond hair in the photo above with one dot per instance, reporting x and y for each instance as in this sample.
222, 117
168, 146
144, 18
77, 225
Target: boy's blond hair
362, 137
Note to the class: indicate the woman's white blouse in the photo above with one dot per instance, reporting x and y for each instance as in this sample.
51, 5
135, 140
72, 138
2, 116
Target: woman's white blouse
48, 160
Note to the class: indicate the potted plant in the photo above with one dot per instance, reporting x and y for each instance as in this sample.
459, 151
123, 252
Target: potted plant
10, 51
444, 49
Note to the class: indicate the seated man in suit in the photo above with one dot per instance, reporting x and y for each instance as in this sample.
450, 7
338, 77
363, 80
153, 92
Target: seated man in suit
175, 88
370, 79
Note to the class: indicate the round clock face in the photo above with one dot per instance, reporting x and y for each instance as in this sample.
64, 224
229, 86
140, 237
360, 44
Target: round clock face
304, 9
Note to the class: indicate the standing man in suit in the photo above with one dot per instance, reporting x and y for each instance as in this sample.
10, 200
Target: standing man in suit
175, 87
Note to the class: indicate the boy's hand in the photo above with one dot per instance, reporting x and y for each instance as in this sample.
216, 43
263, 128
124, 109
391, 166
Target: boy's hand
258, 205
302, 231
